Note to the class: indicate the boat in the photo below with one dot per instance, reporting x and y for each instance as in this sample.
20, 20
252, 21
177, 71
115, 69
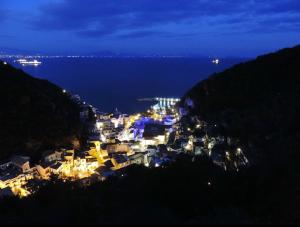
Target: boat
21, 60
216, 61
25, 62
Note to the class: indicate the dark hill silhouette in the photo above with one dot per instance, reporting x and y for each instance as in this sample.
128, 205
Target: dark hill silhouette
34, 114
257, 102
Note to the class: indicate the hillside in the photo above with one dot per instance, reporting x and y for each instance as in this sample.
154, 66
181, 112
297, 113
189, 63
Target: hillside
34, 114
256, 102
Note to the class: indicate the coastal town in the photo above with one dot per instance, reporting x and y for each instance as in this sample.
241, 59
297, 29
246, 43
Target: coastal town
152, 138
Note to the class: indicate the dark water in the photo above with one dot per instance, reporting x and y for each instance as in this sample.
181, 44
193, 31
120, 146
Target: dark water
108, 83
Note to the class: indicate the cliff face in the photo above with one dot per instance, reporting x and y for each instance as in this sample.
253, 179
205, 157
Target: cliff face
256, 102
34, 114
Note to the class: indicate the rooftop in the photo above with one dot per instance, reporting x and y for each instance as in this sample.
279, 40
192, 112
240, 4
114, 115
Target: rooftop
10, 173
108, 164
120, 159
20, 160
56, 166
47, 153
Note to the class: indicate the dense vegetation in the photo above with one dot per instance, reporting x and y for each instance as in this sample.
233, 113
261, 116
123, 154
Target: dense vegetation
34, 114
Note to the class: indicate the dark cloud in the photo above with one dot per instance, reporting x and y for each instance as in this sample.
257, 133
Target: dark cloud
278, 6
141, 34
140, 18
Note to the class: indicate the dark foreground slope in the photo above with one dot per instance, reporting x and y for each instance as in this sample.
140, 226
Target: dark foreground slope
34, 114
190, 191
256, 102
179, 194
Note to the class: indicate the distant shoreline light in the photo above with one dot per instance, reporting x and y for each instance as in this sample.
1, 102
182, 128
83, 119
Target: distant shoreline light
17, 56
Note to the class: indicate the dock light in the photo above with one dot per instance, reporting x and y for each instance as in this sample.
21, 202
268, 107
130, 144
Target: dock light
156, 165
5, 63
64, 91
209, 184
239, 151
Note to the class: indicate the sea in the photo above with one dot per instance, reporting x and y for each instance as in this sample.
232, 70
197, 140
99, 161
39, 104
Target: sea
110, 83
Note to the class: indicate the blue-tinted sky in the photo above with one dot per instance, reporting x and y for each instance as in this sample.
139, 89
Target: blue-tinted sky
206, 27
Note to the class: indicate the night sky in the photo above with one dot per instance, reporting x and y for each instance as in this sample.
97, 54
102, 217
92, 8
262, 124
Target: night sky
242, 28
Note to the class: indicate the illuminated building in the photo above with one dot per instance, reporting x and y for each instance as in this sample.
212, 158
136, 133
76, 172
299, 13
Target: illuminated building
92, 163
138, 159
21, 162
15, 176
96, 144
69, 156
50, 156
44, 170
115, 148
